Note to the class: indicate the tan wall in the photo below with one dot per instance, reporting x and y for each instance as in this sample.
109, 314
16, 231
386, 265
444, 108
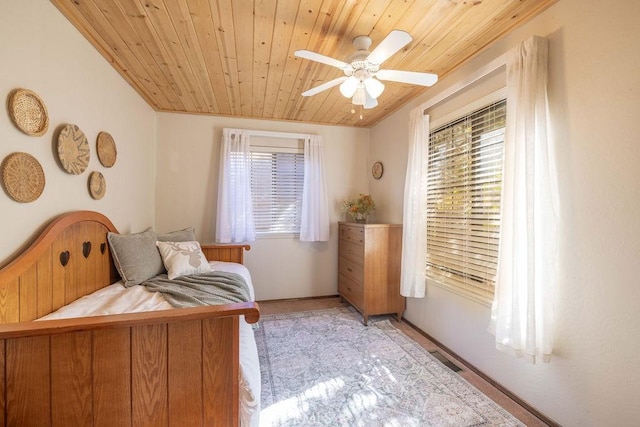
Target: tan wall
593, 379
187, 181
40, 50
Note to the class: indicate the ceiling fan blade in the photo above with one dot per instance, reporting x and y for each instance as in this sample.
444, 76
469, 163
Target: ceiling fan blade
324, 86
306, 54
412, 77
394, 41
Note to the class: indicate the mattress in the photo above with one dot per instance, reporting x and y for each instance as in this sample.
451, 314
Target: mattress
116, 299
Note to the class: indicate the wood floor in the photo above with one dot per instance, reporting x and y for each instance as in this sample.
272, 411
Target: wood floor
294, 305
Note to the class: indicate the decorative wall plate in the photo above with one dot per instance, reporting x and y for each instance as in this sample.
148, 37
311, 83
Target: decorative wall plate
73, 149
22, 177
377, 170
28, 112
106, 148
97, 185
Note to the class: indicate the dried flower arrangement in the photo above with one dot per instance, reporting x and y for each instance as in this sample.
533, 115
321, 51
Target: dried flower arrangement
360, 208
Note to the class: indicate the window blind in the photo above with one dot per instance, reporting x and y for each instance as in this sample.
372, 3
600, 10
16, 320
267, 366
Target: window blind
464, 183
277, 180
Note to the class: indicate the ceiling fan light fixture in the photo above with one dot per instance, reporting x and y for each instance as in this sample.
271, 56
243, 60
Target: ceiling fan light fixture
348, 87
370, 102
360, 96
374, 87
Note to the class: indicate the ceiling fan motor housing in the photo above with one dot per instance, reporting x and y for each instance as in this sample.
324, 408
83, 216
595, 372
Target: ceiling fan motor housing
358, 66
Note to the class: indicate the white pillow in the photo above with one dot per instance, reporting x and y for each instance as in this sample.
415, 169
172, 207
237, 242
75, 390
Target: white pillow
183, 258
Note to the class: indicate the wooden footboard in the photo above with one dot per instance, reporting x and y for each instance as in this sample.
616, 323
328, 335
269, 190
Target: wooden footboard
175, 367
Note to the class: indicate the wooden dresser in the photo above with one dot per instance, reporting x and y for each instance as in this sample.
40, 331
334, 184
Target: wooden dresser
369, 268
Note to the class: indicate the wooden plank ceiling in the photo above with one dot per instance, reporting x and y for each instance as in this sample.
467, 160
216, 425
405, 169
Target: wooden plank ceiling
235, 57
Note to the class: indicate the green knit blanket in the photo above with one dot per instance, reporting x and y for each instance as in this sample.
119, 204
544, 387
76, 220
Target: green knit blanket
214, 288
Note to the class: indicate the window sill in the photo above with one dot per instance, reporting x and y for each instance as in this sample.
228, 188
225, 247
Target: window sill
288, 236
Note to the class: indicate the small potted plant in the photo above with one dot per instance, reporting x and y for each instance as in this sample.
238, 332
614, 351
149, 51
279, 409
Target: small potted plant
360, 208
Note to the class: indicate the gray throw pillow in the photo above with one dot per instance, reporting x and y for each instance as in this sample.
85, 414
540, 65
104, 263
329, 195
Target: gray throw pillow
185, 235
136, 256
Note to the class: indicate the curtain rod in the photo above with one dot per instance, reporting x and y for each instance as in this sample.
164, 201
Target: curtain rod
472, 78
271, 134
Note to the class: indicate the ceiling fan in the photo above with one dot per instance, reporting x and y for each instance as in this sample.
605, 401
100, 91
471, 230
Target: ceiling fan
362, 74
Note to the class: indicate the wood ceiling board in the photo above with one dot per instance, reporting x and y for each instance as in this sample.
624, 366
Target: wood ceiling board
235, 58
263, 41
122, 60
174, 49
182, 21
221, 13
305, 21
200, 11
144, 42
138, 28
285, 17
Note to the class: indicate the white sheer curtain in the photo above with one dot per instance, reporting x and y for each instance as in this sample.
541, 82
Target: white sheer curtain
234, 221
522, 311
414, 233
314, 223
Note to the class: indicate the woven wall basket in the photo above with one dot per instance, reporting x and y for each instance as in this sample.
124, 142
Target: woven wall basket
28, 112
73, 149
97, 185
22, 177
106, 148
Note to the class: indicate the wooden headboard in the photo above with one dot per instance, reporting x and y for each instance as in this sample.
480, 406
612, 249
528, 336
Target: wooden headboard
69, 259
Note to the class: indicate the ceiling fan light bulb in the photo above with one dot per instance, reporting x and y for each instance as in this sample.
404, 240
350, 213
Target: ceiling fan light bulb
348, 87
374, 87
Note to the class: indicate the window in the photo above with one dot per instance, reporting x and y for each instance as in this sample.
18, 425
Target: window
277, 178
464, 183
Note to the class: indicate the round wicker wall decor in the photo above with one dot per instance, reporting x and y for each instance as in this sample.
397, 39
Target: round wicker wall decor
73, 149
28, 112
97, 185
106, 148
22, 177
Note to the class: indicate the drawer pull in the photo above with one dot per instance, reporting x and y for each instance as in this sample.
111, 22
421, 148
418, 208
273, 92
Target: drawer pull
349, 269
349, 289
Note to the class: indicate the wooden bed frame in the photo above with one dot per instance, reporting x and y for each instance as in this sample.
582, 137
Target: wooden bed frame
172, 367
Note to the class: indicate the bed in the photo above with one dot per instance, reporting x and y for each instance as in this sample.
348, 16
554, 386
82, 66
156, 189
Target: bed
167, 367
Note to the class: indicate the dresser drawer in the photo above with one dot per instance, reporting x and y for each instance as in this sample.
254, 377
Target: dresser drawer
352, 251
351, 269
352, 233
351, 290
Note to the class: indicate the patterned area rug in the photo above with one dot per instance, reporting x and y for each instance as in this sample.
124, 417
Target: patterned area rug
325, 368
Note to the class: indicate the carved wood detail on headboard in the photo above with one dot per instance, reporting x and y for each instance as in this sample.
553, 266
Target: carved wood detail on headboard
58, 267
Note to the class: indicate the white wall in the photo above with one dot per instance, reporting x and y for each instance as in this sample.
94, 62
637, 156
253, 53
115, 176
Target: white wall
594, 81
188, 155
40, 50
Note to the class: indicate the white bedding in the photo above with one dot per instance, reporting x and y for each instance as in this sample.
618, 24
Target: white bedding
116, 299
